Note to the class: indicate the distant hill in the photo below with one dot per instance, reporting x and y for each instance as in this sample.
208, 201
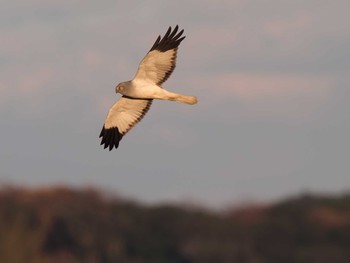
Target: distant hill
66, 225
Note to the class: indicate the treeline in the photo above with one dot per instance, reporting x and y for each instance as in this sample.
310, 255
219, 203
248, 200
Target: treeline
71, 226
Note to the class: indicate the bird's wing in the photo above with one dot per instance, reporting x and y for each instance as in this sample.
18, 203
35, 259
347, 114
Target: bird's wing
160, 61
122, 116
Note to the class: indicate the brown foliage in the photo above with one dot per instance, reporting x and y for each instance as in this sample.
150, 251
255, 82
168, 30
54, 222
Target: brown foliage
65, 225
330, 218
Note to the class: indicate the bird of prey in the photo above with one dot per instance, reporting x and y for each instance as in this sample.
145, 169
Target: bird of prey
138, 93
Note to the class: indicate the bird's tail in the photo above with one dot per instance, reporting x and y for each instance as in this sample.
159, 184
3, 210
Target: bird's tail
168, 95
185, 99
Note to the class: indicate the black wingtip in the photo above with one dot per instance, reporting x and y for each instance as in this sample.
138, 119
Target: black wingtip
110, 137
170, 40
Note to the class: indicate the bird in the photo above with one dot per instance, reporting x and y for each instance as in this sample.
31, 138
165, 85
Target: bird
138, 94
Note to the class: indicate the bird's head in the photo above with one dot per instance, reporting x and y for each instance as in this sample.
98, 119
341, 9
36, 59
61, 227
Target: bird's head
119, 88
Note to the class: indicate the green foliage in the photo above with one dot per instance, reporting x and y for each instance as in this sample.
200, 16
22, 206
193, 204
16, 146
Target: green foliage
64, 225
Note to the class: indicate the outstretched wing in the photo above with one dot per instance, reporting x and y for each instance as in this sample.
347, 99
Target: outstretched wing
122, 116
160, 61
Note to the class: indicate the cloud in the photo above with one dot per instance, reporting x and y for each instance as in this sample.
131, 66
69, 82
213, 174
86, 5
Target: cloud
266, 94
35, 80
252, 87
285, 29
92, 57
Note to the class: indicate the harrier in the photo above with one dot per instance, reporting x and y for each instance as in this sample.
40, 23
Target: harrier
138, 93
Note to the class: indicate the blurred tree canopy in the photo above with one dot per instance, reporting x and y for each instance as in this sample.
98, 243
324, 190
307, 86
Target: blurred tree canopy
65, 225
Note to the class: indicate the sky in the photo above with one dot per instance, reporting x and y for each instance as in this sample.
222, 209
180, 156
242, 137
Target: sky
271, 76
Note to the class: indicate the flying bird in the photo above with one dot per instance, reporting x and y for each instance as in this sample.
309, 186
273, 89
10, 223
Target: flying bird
138, 93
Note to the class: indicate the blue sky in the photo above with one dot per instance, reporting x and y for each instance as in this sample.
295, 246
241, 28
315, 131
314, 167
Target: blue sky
271, 76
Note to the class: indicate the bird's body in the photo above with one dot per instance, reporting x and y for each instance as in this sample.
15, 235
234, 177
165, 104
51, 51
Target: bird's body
147, 90
138, 93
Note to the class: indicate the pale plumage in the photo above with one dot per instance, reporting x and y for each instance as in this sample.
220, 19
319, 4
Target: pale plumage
138, 94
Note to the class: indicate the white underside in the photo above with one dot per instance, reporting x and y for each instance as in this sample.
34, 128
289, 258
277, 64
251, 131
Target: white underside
144, 90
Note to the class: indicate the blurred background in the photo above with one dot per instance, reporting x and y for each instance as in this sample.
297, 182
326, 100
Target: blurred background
260, 165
